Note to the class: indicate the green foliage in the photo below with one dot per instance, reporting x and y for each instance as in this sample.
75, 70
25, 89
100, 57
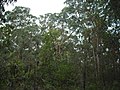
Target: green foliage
2, 8
76, 49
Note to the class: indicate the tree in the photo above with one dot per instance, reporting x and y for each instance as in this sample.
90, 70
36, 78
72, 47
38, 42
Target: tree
17, 39
2, 8
91, 19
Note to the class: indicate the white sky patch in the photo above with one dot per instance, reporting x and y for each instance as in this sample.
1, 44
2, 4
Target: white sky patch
40, 7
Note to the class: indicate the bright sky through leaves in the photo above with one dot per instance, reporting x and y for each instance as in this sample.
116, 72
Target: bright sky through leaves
39, 7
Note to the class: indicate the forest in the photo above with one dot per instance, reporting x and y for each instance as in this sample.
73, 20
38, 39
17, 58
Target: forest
76, 49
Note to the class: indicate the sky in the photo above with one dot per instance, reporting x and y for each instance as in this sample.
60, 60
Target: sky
40, 7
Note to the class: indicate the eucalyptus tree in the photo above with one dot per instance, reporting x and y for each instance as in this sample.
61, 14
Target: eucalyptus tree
56, 52
18, 42
91, 20
23, 29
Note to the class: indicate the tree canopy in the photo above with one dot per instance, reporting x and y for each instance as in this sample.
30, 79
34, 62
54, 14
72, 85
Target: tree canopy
2, 8
76, 49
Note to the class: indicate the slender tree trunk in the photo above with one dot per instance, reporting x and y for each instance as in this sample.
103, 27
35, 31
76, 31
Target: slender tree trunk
35, 85
84, 80
84, 75
94, 57
97, 56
